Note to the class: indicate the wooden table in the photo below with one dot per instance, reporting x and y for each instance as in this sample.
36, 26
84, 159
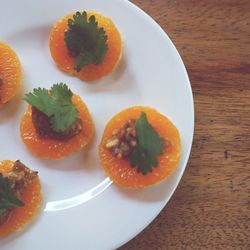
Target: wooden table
209, 210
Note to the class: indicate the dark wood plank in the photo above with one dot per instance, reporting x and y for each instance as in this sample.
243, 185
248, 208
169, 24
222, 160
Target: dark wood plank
210, 208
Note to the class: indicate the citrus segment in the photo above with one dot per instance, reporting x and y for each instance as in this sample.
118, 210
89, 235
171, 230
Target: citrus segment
120, 171
20, 216
91, 72
56, 149
10, 73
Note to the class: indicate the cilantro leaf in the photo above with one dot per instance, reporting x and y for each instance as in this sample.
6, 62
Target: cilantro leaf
61, 91
85, 40
56, 104
8, 198
64, 116
83, 59
2, 212
149, 146
41, 99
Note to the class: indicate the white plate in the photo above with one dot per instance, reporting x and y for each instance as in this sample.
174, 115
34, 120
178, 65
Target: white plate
95, 215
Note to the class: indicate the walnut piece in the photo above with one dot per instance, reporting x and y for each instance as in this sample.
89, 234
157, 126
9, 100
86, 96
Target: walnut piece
19, 178
123, 141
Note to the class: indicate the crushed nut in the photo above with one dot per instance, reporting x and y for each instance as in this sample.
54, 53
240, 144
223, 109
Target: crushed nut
133, 143
123, 140
111, 143
19, 178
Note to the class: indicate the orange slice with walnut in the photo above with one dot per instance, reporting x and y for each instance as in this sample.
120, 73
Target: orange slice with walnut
87, 45
57, 123
20, 196
140, 147
10, 73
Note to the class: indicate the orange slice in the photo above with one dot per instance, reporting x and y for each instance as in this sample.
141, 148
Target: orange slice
55, 149
91, 72
120, 171
32, 199
10, 73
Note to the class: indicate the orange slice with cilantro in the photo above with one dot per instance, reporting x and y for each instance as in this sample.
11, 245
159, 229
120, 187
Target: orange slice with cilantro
20, 196
57, 123
87, 45
10, 73
140, 147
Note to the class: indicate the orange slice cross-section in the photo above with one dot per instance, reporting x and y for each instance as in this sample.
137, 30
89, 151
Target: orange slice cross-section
91, 72
32, 199
55, 149
120, 171
10, 73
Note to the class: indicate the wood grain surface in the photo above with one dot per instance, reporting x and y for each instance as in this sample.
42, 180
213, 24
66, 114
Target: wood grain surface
210, 209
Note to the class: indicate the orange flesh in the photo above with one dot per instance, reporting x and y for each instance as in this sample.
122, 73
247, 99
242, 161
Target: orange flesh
20, 216
120, 171
55, 149
10, 73
91, 72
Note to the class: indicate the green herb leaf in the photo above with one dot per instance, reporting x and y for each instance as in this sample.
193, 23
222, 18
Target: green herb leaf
41, 99
2, 212
56, 104
8, 198
85, 40
149, 146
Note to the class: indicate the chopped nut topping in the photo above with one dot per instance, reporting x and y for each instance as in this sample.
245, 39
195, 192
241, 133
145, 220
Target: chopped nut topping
43, 127
19, 177
123, 141
113, 142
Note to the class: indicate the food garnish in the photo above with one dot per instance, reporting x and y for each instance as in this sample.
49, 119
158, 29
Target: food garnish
86, 44
149, 146
8, 198
138, 142
85, 40
140, 147
56, 104
123, 141
20, 196
57, 122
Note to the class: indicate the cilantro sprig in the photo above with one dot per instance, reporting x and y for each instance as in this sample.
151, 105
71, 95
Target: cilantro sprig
56, 104
85, 40
8, 198
149, 146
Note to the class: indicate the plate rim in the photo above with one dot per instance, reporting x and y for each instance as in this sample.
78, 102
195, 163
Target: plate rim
185, 160
193, 120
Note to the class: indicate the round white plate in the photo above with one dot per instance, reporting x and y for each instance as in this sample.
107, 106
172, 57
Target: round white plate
82, 209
